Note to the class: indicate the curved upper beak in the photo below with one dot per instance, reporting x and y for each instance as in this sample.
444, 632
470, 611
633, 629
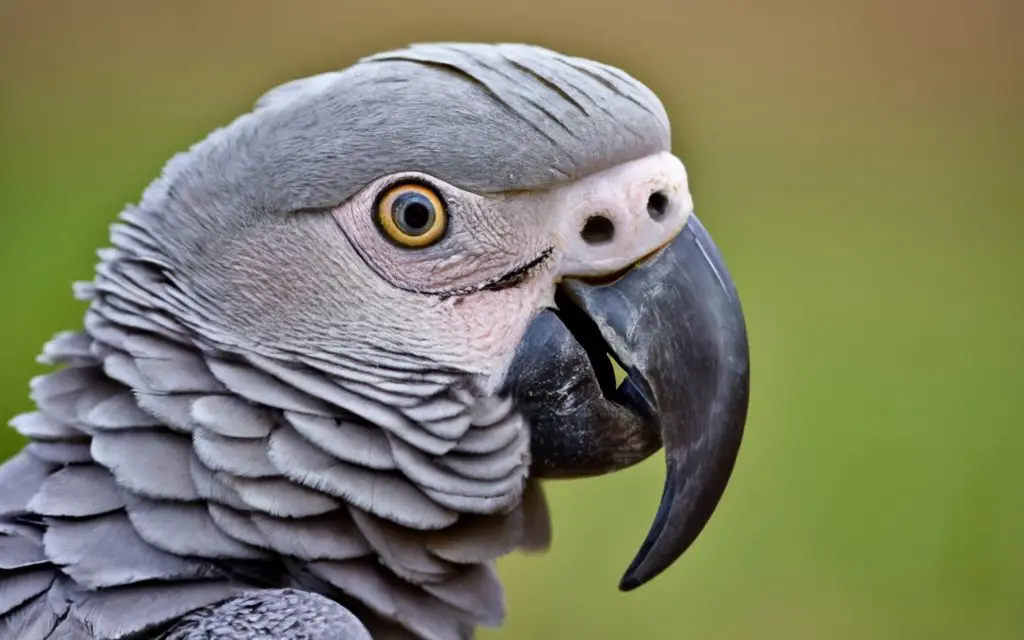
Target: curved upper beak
675, 325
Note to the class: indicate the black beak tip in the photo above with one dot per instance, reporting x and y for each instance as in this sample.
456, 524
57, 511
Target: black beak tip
692, 492
629, 582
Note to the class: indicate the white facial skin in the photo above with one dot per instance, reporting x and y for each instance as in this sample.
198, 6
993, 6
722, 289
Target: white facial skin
442, 286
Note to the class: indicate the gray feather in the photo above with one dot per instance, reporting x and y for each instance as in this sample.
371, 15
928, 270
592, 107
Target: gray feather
39, 426
232, 417
135, 241
175, 411
103, 330
244, 457
213, 489
36, 620
106, 551
383, 494
389, 597
280, 497
468, 495
20, 477
63, 382
377, 414
69, 348
495, 466
537, 518
426, 380
101, 350
121, 367
142, 272
83, 291
479, 538
151, 463
438, 408
119, 311
346, 440
414, 388
375, 393
475, 590
332, 536
488, 411
480, 440
256, 386
402, 550
120, 612
144, 275
23, 528
17, 552
59, 453
170, 368
57, 393
396, 360
77, 491
148, 347
185, 530
118, 411
78, 406
237, 524
171, 376
453, 428
17, 588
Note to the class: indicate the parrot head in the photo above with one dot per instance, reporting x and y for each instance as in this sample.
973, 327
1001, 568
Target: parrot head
402, 290
503, 219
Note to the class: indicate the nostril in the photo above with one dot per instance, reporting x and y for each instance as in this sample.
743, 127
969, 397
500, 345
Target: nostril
598, 230
657, 205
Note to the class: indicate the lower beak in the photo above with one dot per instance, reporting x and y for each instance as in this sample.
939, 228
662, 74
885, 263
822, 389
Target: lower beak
675, 325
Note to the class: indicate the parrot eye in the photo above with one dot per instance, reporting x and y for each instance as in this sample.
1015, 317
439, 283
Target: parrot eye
412, 215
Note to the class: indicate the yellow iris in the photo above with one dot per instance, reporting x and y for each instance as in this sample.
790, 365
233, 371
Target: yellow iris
412, 215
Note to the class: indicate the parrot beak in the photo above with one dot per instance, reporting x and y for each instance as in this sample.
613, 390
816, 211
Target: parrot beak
674, 323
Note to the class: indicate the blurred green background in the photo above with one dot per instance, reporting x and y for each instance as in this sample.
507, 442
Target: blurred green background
860, 166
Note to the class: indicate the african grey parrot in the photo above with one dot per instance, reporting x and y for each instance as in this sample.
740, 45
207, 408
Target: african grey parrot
339, 343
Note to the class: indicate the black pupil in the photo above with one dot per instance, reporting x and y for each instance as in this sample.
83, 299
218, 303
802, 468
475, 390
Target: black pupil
413, 213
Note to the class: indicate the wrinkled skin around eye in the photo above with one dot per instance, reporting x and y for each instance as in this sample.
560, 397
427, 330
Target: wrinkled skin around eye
480, 244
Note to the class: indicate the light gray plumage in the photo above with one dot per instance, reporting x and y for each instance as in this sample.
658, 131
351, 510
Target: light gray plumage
173, 453
251, 437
